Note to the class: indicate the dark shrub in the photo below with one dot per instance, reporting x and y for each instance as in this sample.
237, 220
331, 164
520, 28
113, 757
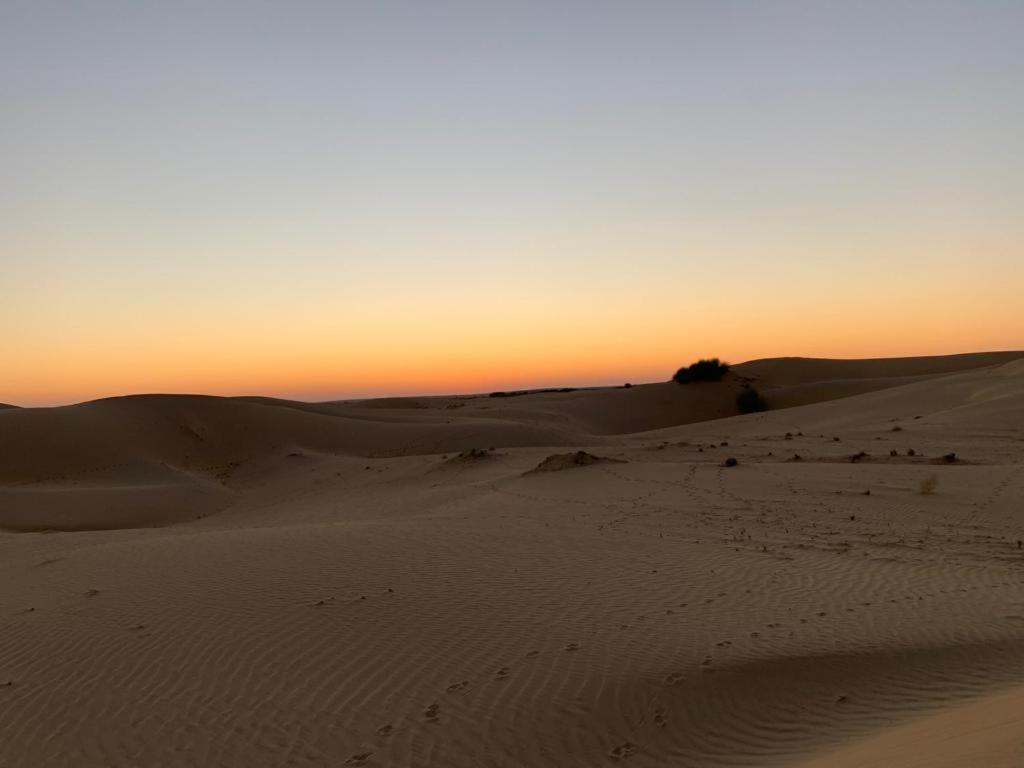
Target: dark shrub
712, 369
749, 400
730, 462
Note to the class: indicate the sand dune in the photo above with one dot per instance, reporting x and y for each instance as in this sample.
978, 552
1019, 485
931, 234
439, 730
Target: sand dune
792, 381
781, 371
260, 582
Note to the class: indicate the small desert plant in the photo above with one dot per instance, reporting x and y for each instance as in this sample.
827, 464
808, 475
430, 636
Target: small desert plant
749, 400
711, 369
730, 462
927, 486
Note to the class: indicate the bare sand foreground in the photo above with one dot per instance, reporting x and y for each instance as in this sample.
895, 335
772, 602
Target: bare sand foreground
197, 581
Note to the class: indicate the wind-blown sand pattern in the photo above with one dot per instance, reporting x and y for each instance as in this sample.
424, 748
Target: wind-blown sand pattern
198, 581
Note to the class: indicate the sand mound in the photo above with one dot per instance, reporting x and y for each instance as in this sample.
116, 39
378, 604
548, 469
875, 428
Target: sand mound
561, 461
470, 456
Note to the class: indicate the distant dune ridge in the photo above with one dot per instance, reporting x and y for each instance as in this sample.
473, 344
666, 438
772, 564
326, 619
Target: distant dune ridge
195, 580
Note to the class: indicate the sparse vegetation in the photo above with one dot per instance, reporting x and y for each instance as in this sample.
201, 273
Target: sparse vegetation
927, 486
470, 456
711, 369
521, 392
730, 462
561, 461
749, 400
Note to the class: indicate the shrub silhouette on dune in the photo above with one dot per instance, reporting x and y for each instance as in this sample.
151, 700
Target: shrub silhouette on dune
749, 400
711, 369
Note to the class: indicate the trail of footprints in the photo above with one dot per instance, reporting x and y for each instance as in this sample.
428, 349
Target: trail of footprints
982, 506
431, 714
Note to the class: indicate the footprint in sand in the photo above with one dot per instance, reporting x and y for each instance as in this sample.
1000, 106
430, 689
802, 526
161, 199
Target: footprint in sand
624, 750
532, 654
674, 678
430, 713
457, 686
359, 759
572, 647
502, 673
659, 718
385, 730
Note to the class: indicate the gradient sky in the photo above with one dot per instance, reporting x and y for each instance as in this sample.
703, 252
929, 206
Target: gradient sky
326, 199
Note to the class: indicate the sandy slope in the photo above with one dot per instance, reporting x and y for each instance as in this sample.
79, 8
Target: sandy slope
987, 732
256, 582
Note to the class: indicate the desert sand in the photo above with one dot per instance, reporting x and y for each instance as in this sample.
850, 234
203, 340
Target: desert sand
544, 579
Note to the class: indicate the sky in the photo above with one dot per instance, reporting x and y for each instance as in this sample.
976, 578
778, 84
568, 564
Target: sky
318, 200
